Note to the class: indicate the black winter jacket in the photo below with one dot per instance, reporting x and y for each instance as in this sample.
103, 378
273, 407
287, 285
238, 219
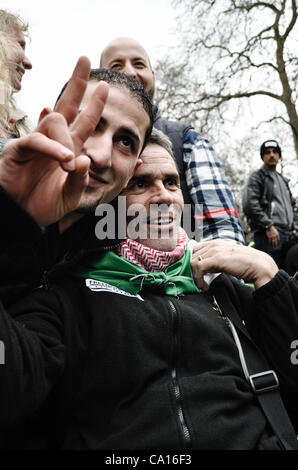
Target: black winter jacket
257, 199
90, 370
29, 252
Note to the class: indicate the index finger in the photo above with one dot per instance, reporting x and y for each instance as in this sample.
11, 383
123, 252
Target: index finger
70, 100
89, 117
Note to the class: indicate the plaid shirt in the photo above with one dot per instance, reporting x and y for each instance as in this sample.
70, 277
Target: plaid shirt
209, 189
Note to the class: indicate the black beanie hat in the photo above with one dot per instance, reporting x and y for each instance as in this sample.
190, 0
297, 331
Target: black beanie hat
269, 144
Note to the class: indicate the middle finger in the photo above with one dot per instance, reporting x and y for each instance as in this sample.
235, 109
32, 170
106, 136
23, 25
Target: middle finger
70, 100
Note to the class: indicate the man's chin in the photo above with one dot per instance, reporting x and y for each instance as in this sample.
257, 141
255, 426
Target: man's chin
161, 242
87, 207
160, 245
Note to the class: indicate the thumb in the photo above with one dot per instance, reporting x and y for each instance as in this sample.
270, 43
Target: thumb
198, 272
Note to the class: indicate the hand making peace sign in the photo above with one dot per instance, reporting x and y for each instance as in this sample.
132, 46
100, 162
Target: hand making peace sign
45, 171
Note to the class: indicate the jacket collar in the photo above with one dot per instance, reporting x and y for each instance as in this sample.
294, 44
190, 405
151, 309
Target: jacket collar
76, 243
266, 172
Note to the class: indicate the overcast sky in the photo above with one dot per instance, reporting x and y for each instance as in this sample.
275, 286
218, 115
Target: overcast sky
62, 30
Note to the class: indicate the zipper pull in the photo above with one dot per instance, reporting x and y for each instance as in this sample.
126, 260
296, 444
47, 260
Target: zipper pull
216, 307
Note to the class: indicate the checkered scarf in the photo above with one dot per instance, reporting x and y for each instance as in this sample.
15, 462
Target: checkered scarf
149, 259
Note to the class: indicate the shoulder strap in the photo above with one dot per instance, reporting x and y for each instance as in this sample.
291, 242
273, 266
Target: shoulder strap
264, 384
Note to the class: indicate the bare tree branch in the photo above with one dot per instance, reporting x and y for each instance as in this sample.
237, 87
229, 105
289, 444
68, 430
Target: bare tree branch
232, 49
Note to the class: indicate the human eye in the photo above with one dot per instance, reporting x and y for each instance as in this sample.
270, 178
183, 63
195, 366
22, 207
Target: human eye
127, 143
136, 185
140, 64
116, 66
172, 183
139, 185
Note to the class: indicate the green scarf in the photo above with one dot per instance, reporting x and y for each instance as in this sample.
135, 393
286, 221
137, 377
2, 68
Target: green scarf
118, 272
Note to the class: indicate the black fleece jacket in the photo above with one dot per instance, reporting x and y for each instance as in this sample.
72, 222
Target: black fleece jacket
100, 370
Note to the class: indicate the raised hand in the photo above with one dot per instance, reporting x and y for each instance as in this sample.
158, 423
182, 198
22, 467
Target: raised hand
240, 261
44, 171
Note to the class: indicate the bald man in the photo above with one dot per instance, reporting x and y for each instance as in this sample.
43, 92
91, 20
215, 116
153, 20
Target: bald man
203, 183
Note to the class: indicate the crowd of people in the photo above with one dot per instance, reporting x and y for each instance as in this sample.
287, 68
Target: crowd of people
122, 329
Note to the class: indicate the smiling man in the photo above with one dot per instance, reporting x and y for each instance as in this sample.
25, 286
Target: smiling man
113, 149
154, 191
115, 145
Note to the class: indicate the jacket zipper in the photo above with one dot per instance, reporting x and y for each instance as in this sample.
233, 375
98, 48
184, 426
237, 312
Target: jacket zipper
175, 383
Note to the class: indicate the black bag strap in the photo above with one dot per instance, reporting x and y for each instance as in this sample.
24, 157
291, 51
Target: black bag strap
264, 385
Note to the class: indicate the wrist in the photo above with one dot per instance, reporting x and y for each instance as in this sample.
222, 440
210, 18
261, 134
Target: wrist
269, 227
266, 274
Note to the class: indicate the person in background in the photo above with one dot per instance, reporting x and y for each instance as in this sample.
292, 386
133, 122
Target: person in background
269, 205
13, 30
5, 90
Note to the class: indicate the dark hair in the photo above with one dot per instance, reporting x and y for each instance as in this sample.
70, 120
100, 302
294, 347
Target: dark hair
134, 88
159, 138
269, 144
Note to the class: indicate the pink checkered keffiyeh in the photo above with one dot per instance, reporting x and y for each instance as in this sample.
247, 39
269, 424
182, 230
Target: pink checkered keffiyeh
149, 259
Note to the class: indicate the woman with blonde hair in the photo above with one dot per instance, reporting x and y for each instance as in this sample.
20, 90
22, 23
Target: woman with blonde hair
6, 100
13, 121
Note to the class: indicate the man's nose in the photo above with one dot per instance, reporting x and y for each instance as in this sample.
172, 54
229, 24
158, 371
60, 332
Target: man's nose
99, 150
27, 63
130, 70
161, 195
